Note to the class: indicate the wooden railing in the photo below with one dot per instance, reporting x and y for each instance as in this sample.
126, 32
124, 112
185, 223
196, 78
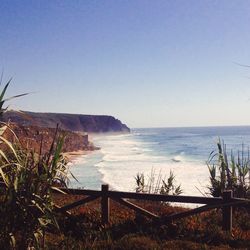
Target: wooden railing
226, 202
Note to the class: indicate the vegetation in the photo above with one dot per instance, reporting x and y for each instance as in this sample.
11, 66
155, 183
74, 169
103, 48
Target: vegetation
26, 205
229, 174
84, 230
27, 180
3, 100
157, 185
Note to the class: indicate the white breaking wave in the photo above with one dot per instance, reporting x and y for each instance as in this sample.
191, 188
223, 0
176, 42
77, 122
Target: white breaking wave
179, 150
124, 157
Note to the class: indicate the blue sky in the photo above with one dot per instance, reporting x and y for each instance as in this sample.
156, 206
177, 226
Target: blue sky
148, 63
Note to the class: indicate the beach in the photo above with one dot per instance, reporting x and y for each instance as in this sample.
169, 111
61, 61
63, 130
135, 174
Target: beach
74, 155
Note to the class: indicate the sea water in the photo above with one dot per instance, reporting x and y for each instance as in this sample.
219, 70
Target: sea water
184, 151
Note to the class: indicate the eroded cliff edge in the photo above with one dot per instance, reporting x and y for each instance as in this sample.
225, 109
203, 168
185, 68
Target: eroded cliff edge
69, 122
39, 139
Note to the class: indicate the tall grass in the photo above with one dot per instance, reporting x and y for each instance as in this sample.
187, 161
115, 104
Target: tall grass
229, 172
27, 180
26, 205
3, 100
157, 184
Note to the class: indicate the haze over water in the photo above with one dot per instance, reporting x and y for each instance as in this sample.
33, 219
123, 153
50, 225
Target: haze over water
181, 150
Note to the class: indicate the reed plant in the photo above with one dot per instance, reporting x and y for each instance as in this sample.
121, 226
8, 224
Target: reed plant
229, 172
157, 184
3, 100
26, 207
27, 180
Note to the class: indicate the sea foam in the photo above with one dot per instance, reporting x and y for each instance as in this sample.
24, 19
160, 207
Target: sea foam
184, 151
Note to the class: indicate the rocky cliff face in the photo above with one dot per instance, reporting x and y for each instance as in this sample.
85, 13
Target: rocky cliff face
32, 138
70, 122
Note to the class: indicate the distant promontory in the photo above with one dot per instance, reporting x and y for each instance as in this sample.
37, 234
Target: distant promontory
70, 122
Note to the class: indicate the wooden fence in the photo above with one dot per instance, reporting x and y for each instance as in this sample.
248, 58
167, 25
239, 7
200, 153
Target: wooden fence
226, 202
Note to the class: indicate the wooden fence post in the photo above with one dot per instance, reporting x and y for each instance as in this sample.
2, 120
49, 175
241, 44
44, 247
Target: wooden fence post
105, 204
227, 211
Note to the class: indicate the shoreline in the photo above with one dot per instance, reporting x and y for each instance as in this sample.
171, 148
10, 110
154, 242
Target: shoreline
73, 155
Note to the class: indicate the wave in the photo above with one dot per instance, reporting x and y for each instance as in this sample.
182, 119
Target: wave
121, 175
176, 159
122, 156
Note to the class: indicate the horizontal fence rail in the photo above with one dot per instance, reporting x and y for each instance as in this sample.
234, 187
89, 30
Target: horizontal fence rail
148, 197
226, 202
153, 197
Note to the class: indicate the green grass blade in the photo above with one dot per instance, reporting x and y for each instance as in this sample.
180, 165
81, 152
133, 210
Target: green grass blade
4, 90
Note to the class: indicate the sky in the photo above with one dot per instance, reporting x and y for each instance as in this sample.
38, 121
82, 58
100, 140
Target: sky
169, 63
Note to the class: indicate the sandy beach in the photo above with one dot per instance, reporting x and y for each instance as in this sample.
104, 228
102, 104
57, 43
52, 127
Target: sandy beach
71, 156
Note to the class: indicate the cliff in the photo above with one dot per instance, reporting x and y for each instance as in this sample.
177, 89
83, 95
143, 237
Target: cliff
70, 122
32, 137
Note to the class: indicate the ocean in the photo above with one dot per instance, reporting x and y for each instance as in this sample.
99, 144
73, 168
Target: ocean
184, 151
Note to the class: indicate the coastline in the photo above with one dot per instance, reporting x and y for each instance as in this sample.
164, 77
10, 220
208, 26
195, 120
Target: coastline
73, 155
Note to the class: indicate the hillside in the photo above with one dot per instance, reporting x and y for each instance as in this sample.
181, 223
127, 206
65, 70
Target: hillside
70, 122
